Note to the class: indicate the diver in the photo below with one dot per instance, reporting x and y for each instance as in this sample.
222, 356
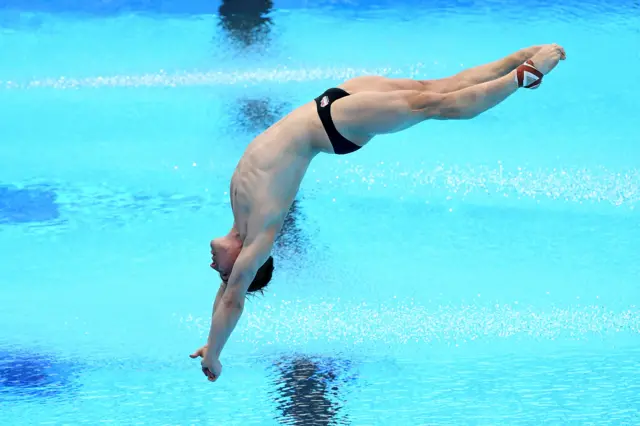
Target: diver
340, 121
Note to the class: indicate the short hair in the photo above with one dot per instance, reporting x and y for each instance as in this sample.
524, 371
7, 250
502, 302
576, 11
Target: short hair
263, 276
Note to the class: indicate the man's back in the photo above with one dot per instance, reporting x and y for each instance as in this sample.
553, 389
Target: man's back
271, 169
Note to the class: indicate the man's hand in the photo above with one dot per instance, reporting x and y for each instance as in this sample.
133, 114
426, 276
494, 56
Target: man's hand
210, 367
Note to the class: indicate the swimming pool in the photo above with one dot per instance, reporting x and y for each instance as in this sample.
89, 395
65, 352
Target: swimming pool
478, 272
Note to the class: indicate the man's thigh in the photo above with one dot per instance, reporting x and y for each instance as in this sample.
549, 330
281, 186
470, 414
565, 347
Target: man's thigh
375, 83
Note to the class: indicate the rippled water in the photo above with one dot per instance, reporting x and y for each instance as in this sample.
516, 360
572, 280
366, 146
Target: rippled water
478, 272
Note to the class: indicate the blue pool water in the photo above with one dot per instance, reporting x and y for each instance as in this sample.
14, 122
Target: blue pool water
480, 272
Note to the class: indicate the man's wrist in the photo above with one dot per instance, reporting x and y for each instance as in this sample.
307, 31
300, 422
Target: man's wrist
210, 355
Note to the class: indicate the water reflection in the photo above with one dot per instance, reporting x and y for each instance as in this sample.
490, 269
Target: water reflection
254, 115
29, 204
27, 373
308, 390
246, 22
112, 7
292, 242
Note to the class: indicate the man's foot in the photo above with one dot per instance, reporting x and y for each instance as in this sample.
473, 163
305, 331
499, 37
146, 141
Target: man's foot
548, 57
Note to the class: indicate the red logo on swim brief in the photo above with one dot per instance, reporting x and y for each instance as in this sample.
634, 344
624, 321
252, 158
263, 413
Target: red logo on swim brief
324, 101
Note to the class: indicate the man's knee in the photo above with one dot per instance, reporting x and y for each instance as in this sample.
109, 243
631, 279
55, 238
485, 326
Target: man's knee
445, 85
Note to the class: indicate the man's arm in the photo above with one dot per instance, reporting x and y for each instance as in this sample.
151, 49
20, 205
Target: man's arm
216, 303
229, 307
219, 294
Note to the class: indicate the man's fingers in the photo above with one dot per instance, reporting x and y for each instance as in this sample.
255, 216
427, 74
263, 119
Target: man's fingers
199, 352
209, 374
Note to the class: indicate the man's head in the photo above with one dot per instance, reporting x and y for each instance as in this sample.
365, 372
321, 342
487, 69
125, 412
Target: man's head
225, 251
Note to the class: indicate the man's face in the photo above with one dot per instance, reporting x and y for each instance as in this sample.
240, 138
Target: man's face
223, 256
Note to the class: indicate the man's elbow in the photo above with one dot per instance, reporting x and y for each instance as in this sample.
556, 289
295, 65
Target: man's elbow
233, 297
233, 302
236, 291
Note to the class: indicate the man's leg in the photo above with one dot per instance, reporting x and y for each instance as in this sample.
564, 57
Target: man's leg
377, 83
466, 78
361, 116
482, 73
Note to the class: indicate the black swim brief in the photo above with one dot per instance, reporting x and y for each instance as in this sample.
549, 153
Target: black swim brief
341, 145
